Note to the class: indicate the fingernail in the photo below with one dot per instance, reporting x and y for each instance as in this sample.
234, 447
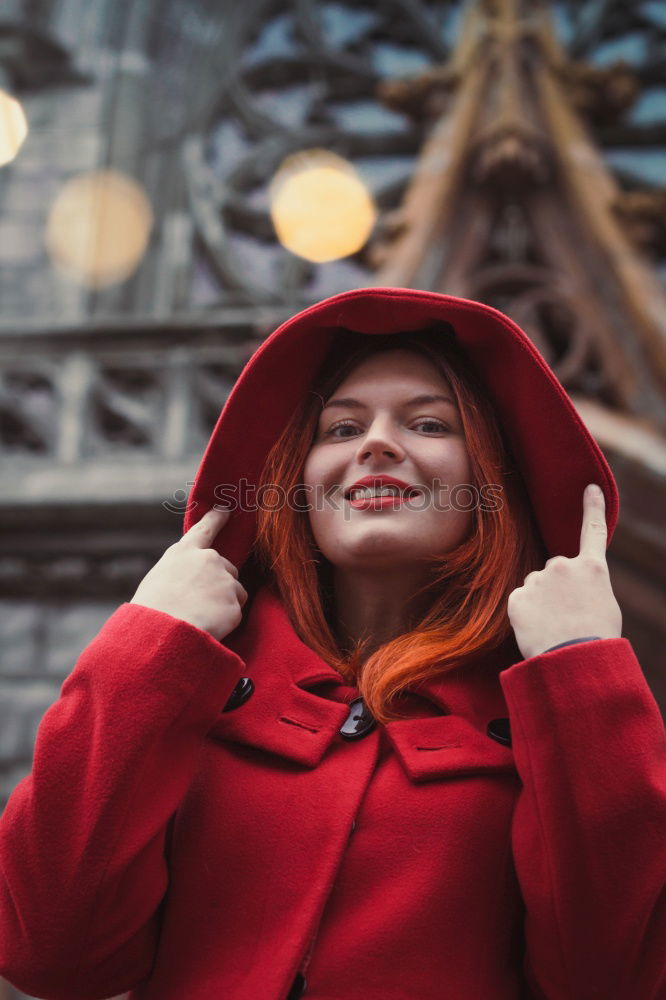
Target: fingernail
593, 490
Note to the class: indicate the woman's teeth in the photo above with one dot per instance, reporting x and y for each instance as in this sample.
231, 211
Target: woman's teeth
366, 491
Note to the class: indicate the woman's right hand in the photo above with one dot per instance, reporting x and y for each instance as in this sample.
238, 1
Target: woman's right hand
193, 582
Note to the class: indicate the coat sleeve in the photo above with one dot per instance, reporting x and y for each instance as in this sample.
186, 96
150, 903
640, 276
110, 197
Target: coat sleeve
589, 826
82, 838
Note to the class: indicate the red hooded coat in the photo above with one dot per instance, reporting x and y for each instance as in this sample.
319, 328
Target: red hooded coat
506, 841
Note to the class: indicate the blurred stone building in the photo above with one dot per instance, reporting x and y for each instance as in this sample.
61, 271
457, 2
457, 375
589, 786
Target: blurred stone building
515, 152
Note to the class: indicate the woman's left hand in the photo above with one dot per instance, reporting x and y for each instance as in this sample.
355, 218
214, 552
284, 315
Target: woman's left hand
569, 598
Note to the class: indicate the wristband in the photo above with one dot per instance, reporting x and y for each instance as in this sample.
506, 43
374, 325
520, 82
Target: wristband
571, 642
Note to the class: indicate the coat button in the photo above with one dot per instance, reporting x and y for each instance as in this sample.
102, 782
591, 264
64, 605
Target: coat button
353, 825
240, 694
359, 722
298, 987
500, 730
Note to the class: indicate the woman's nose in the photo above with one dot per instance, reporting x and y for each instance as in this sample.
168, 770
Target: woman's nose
379, 441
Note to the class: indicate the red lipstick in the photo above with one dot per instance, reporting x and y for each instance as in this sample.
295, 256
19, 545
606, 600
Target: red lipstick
393, 500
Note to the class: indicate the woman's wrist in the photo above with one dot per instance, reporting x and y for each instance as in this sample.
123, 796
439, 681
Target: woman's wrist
571, 642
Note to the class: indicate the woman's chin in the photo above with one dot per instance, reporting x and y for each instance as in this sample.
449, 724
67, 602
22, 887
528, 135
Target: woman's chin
374, 551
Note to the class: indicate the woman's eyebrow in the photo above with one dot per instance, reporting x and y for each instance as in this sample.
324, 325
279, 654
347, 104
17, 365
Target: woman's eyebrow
424, 398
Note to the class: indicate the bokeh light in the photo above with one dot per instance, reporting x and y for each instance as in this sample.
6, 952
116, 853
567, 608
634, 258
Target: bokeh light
98, 228
320, 207
13, 127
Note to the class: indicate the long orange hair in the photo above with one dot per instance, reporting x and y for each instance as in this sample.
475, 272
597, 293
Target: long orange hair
470, 585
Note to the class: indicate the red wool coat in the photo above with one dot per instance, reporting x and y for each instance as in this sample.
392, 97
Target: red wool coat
505, 841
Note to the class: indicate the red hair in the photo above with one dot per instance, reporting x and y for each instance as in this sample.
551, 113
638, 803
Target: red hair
470, 585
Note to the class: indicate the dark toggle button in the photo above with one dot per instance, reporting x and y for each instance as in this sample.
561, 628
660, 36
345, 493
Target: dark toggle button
298, 987
359, 722
500, 730
240, 694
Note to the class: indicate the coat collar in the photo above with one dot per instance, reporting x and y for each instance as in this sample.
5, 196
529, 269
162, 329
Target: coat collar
445, 735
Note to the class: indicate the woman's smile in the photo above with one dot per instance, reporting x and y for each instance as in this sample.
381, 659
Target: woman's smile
379, 493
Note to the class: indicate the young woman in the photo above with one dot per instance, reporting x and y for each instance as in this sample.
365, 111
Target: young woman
369, 728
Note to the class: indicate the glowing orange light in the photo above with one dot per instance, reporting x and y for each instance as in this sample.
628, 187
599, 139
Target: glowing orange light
98, 228
320, 207
13, 127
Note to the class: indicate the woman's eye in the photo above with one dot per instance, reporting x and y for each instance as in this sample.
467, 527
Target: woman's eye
437, 424
338, 427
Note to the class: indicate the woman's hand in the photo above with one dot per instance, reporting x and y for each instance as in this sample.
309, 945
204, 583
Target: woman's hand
191, 581
569, 598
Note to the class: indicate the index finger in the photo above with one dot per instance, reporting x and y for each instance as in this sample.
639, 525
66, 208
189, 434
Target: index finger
594, 531
202, 534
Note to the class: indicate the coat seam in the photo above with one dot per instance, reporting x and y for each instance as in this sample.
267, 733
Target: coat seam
493, 923
549, 863
306, 956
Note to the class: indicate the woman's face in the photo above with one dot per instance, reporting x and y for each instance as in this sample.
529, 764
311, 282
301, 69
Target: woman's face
376, 425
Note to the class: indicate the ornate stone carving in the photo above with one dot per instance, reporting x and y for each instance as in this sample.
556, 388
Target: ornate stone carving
28, 400
156, 398
642, 214
603, 94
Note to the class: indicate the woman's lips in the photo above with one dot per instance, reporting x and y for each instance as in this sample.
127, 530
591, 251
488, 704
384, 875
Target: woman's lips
377, 503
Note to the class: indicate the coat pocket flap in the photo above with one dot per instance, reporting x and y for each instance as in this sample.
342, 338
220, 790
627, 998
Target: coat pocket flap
289, 723
448, 746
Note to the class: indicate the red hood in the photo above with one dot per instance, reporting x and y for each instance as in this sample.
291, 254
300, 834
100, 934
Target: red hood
554, 450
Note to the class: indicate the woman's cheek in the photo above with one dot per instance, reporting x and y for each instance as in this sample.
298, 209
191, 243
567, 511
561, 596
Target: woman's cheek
318, 472
323, 529
317, 480
312, 470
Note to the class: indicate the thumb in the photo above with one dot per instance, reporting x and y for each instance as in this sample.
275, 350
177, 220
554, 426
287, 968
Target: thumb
202, 534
